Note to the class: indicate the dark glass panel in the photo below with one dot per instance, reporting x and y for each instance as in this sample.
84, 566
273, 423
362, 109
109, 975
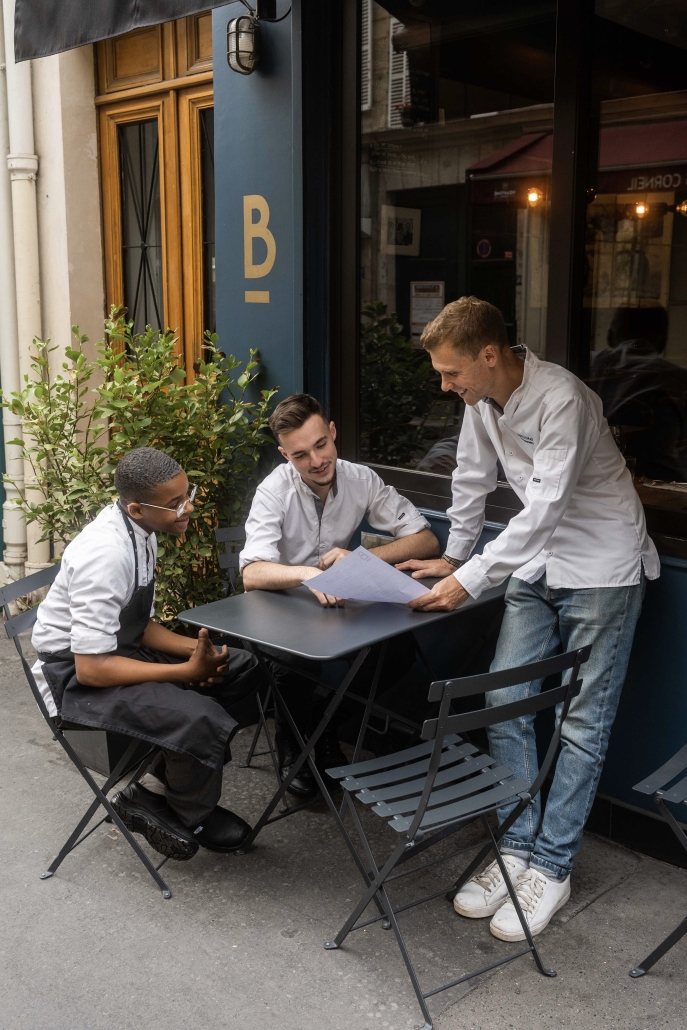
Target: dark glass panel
141, 223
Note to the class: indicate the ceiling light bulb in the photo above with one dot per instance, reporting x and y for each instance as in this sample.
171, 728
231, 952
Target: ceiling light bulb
534, 196
641, 209
682, 208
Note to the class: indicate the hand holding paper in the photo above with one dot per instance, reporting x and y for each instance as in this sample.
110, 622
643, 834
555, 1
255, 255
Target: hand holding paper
365, 577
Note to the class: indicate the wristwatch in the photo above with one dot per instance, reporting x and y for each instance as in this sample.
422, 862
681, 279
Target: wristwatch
455, 562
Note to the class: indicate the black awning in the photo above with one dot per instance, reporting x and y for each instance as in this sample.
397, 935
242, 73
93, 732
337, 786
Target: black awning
44, 27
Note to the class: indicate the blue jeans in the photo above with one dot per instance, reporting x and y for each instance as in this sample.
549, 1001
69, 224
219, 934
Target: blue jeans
540, 622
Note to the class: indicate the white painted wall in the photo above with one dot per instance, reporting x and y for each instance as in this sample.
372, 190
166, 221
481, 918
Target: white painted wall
68, 195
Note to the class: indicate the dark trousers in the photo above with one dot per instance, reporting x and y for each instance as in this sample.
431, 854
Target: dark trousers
192, 788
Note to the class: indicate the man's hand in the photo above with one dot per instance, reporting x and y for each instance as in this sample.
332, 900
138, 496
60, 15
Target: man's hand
326, 600
443, 597
206, 665
435, 568
332, 557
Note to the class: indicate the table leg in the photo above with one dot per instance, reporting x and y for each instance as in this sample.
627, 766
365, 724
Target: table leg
306, 748
366, 717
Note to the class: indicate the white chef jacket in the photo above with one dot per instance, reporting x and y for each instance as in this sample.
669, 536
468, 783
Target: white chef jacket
284, 525
582, 522
96, 580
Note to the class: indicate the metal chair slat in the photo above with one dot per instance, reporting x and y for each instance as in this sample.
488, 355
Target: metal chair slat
409, 787
472, 785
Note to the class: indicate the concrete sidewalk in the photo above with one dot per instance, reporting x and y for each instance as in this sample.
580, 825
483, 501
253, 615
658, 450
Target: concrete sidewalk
240, 942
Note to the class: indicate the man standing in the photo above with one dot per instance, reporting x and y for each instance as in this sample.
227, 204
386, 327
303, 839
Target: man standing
578, 555
300, 523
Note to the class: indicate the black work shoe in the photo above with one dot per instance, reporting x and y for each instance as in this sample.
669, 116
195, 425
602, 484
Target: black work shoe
304, 784
149, 814
222, 831
328, 755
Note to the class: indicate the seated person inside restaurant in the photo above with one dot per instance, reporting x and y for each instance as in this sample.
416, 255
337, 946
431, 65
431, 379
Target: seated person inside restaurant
644, 395
103, 662
300, 523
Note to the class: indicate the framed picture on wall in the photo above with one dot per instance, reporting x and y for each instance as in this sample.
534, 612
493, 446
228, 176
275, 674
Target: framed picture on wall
401, 230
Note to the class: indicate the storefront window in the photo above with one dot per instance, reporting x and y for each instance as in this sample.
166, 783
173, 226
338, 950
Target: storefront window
636, 243
457, 121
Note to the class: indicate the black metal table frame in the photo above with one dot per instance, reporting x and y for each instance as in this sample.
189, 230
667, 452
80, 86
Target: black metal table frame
307, 747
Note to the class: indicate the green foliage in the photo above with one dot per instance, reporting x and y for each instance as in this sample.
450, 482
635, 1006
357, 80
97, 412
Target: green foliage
396, 390
75, 433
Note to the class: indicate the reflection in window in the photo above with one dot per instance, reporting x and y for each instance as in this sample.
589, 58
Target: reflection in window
207, 170
141, 230
636, 241
455, 186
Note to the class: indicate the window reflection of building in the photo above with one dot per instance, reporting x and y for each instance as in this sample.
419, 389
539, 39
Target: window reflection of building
635, 293
440, 97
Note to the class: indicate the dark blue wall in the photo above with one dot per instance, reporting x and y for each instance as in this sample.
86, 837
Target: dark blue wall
258, 152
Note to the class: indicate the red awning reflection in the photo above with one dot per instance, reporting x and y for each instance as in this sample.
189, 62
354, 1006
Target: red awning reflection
632, 158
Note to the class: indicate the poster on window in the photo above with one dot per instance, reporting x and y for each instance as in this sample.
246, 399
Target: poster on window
401, 230
426, 301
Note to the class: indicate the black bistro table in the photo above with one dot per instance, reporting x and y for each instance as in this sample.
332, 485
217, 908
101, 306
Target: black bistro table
293, 622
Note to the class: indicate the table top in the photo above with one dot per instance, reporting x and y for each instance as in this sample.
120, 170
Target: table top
294, 620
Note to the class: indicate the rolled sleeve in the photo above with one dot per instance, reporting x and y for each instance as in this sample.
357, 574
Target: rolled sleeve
568, 436
264, 529
390, 512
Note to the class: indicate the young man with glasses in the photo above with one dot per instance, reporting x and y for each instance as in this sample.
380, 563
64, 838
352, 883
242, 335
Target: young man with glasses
104, 662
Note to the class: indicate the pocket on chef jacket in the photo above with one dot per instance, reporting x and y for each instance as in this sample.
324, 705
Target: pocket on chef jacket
546, 477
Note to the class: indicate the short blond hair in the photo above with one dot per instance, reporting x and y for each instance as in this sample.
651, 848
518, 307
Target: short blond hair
468, 324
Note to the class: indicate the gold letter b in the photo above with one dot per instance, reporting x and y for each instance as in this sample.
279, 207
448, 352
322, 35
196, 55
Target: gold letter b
258, 229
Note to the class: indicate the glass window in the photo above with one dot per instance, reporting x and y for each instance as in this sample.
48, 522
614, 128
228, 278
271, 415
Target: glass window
141, 229
636, 241
456, 124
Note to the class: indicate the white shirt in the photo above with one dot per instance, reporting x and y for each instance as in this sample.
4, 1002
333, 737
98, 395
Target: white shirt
96, 580
582, 522
284, 526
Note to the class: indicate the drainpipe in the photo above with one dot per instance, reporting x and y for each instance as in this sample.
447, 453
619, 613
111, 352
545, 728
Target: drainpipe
23, 168
14, 527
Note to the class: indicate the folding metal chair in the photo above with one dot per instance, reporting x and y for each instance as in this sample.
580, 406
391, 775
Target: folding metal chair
234, 537
132, 759
677, 795
428, 792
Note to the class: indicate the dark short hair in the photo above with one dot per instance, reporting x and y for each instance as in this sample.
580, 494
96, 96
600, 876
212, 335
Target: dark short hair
141, 471
648, 325
293, 412
468, 324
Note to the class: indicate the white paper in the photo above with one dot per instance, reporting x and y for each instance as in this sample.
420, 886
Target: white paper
362, 576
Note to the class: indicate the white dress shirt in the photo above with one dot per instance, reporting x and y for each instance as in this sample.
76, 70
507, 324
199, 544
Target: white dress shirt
96, 580
582, 522
284, 525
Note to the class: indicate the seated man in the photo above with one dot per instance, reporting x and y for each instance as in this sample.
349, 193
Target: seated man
300, 523
103, 662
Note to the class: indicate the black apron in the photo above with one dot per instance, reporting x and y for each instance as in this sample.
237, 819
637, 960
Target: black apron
171, 715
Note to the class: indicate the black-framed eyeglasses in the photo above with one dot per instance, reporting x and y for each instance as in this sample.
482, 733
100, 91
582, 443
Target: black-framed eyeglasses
179, 510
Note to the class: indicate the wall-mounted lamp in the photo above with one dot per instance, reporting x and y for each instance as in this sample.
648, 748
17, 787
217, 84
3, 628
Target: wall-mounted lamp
534, 196
243, 43
681, 208
641, 209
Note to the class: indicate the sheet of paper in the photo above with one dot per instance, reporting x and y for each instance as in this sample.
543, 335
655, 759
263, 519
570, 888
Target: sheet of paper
362, 576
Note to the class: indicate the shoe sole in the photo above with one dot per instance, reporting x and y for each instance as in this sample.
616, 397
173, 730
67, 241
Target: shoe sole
504, 935
137, 820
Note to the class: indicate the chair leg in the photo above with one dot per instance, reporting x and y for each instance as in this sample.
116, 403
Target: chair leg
366, 718
376, 883
516, 905
101, 799
482, 854
664, 947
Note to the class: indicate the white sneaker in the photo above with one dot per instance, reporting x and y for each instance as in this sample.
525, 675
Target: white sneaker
485, 892
540, 898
